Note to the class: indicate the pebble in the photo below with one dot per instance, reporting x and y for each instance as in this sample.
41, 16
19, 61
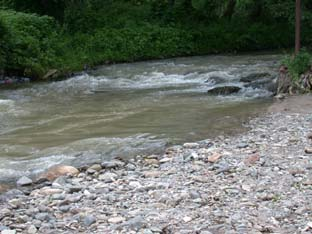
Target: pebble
8, 232
214, 158
108, 177
115, 220
191, 145
89, 220
32, 229
24, 181
112, 164
308, 150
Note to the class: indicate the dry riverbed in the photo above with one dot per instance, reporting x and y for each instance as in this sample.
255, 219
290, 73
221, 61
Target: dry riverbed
256, 182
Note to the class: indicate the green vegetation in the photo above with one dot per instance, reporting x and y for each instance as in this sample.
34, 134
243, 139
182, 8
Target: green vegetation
297, 65
36, 36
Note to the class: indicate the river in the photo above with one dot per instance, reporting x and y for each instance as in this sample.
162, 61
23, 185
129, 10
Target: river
125, 109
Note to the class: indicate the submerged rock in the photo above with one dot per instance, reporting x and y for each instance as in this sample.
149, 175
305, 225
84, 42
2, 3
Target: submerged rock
255, 76
261, 81
224, 90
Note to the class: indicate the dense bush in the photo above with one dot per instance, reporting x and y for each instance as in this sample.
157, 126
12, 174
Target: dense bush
71, 34
28, 42
2, 44
298, 65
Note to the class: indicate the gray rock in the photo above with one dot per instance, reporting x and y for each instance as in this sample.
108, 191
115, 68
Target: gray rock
194, 194
58, 196
74, 189
89, 220
255, 76
112, 164
4, 228
60, 182
24, 181
8, 232
32, 229
135, 223
224, 90
13, 193
108, 177
42, 216
242, 145
64, 209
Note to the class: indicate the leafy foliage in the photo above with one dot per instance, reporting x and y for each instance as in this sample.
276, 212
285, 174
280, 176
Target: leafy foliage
28, 42
37, 35
297, 65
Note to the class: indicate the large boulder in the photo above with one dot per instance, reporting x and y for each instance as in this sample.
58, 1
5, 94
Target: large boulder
255, 76
224, 90
59, 170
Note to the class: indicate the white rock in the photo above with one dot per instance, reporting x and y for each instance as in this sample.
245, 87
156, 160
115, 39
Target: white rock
187, 219
24, 181
8, 232
117, 219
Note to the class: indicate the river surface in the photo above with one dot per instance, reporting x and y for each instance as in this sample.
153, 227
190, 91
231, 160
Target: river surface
124, 110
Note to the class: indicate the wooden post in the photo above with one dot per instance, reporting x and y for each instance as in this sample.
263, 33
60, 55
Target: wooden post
298, 26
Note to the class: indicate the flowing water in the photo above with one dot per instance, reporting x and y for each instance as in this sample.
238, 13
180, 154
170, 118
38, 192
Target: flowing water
124, 110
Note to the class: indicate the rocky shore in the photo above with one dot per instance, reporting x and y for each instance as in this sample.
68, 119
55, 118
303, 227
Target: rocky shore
256, 182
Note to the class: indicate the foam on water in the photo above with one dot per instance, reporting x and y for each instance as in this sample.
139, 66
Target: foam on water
78, 153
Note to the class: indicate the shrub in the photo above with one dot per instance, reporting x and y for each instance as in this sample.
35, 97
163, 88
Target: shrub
29, 42
297, 65
2, 44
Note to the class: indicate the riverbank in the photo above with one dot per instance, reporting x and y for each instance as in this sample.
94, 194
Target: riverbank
256, 182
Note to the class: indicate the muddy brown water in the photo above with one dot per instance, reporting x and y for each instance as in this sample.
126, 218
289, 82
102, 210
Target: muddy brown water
124, 110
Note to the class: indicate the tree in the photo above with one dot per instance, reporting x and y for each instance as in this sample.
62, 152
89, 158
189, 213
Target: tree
298, 26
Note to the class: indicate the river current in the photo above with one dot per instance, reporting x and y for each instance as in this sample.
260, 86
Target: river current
126, 109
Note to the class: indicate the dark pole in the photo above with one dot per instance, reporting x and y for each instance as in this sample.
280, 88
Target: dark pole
298, 25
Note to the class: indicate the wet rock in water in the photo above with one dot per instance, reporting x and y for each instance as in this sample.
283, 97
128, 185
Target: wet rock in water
255, 76
216, 79
224, 90
260, 80
309, 136
59, 170
24, 181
